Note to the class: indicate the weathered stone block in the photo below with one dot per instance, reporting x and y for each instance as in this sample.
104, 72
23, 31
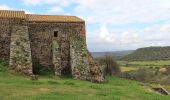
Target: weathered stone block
20, 51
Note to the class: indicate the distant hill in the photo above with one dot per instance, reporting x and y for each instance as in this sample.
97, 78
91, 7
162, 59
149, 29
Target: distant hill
115, 54
149, 53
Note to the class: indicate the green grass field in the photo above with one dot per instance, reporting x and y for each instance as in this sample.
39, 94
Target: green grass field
159, 63
126, 69
17, 87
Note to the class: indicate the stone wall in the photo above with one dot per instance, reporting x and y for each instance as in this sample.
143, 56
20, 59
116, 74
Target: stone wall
20, 51
5, 35
42, 36
67, 52
41, 44
79, 61
61, 52
82, 63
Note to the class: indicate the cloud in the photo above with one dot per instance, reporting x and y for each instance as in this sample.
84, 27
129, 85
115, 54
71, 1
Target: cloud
123, 11
105, 35
156, 35
46, 2
113, 11
5, 7
28, 12
56, 10
119, 24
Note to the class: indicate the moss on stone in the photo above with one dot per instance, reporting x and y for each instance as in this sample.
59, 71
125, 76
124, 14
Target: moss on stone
55, 44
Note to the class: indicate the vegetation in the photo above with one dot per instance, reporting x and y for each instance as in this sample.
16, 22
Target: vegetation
127, 69
38, 69
149, 53
151, 63
110, 65
149, 75
138, 64
17, 87
115, 54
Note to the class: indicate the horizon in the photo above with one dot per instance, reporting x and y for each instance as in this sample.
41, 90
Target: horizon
129, 49
115, 25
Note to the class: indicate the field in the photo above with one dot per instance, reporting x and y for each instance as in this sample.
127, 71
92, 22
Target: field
154, 63
126, 69
160, 63
134, 65
17, 87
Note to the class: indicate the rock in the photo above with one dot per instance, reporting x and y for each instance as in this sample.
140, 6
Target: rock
34, 77
163, 70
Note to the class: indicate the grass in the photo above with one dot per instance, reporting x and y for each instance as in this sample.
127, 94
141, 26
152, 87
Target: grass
158, 63
127, 69
137, 64
17, 87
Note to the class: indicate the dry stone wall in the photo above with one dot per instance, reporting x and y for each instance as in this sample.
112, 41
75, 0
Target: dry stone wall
5, 35
82, 64
42, 42
20, 51
25, 42
79, 61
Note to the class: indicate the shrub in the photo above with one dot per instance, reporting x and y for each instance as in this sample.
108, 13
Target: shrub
110, 65
38, 69
147, 75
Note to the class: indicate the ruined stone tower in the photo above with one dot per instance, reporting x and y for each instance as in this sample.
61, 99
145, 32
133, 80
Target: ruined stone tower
57, 42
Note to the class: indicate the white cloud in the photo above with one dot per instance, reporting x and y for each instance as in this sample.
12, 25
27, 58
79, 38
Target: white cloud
165, 28
48, 2
123, 11
118, 13
105, 35
5, 7
113, 11
56, 10
156, 35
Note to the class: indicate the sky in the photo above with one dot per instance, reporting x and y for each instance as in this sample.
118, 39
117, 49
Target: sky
111, 25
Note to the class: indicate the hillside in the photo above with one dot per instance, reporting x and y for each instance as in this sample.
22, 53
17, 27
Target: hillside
115, 54
149, 53
17, 87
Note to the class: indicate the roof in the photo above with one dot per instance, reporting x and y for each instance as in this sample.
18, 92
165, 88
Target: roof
52, 18
38, 18
12, 14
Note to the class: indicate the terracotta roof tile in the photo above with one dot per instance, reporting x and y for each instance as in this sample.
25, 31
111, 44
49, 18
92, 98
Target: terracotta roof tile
12, 14
52, 18
38, 18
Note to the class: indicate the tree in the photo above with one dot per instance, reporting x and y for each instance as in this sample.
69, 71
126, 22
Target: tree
110, 65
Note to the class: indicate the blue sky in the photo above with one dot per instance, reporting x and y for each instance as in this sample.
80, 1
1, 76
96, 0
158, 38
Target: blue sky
111, 24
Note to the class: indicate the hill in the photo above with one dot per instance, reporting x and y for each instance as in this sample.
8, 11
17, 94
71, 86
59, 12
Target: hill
149, 53
115, 54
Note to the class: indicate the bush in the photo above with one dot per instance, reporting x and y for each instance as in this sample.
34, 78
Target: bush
38, 69
147, 75
110, 65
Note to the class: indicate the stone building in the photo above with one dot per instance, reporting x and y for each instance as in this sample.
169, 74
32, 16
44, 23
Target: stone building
57, 42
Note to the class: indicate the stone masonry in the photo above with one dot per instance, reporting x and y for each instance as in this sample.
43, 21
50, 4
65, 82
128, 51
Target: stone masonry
56, 42
20, 51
